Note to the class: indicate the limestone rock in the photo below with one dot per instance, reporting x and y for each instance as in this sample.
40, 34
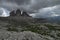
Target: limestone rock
25, 14
12, 13
26, 35
18, 12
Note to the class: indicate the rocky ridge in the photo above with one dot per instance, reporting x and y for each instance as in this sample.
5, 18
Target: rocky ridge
23, 27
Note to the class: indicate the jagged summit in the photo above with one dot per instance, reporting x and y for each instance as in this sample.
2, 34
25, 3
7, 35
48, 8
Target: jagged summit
18, 12
12, 13
24, 14
20, 16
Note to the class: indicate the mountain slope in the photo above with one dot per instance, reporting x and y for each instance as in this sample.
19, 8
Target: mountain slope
27, 28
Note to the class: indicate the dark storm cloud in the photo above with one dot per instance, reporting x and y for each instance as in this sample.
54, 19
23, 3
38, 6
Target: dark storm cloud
16, 1
29, 5
48, 12
13, 4
22, 1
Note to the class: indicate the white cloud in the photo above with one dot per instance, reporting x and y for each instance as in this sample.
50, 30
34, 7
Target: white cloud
48, 12
4, 12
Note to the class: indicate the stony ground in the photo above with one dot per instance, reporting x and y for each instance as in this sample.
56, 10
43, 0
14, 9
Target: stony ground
26, 35
23, 30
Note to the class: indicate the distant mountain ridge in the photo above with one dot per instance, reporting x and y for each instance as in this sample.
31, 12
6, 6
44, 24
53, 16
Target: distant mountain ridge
55, 19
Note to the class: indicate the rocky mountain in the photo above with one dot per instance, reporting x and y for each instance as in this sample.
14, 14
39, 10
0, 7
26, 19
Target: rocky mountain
20, 26
19, 16
18, 12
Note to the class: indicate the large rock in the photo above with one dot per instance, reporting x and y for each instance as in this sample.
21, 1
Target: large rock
25, 14
18, 12
12, 13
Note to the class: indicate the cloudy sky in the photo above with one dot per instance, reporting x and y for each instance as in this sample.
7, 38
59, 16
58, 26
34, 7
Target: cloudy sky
41, 8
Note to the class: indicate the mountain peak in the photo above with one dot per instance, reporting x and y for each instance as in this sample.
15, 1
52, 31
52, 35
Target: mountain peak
18, 12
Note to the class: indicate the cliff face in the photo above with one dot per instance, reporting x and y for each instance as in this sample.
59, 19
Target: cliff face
18, 12
12, 13
19, 15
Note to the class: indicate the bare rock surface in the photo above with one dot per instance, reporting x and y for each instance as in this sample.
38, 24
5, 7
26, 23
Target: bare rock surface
26, 35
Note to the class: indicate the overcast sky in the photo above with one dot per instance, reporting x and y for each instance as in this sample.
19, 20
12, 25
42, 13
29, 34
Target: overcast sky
42, 8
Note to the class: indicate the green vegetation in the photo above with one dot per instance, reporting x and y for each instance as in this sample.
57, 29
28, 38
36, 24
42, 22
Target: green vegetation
51, 27
26, 26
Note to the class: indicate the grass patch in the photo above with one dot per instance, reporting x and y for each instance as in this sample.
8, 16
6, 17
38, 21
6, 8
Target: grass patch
12, 29
35, 28
51, 27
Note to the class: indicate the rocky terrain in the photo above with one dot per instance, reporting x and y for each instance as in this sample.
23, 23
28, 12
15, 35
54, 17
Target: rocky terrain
21, 26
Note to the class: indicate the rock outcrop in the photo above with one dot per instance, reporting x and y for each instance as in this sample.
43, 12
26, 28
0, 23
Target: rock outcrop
25, 14
12, 13
18, 13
